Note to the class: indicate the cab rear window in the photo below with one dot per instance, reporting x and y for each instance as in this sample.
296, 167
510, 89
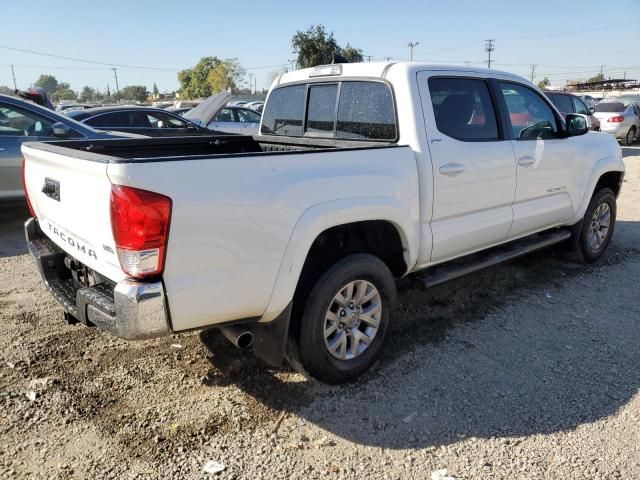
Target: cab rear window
352, 110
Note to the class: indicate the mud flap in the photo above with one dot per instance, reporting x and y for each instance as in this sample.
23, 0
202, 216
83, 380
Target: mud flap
270, 338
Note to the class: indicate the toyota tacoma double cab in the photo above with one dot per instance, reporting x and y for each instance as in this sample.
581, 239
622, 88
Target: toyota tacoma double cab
289, 241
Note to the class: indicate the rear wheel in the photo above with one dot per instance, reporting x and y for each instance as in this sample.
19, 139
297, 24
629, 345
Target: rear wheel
345, 321
597, 226
630, 137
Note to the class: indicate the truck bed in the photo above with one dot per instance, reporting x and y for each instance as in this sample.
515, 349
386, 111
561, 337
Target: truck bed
127, 150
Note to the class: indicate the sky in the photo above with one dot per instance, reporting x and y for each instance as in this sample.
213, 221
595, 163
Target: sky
567, 39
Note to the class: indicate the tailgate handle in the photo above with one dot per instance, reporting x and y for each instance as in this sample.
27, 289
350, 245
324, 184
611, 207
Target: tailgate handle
51, 189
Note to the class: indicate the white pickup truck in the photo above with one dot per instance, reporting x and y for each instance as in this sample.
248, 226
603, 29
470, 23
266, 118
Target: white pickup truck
289, 241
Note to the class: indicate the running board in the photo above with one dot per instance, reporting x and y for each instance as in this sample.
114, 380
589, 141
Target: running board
487, 258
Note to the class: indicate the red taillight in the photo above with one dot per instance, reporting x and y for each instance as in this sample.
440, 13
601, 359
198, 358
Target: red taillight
24, 187
616, 119
140, 223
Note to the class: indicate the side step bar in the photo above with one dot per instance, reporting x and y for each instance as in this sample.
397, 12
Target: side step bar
477, 261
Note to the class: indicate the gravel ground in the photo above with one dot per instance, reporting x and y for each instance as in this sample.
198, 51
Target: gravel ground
527, 370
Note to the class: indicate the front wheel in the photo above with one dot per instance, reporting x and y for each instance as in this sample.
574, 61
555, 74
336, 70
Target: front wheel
345, 320
597, 226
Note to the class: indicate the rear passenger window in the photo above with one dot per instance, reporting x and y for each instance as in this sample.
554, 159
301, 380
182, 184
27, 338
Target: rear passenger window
115, 119
563, 102
285, 112
366, 112
463, 109
321, 109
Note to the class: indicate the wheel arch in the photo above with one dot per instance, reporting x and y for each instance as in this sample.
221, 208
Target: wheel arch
380, 213
607, 172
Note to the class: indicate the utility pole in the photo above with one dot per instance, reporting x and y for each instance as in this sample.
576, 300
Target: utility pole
250, 83
489, 47
15, 85
115, 74
601, 74
368, 57
411, 47
533, 71
388, 59
292, 62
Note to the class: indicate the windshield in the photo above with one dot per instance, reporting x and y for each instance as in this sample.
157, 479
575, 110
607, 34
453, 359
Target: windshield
610, 107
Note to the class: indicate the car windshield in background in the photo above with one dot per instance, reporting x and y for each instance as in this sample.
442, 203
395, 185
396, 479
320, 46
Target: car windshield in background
613, 107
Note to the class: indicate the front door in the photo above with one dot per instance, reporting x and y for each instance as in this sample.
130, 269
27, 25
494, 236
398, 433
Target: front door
474, 173
17, 126
545, 162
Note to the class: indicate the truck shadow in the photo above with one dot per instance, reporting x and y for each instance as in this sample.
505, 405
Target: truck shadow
502, 353
13, 214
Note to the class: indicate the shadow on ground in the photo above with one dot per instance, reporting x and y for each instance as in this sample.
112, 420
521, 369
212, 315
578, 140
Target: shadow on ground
534, 346
13, 214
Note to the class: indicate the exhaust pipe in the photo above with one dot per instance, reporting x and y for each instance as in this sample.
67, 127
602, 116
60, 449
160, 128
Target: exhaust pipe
239, 336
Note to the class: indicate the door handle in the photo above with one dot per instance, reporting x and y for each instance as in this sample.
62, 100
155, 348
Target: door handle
526, 161
451, 169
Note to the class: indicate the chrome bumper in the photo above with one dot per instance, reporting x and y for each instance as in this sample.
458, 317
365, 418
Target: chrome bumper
129, 309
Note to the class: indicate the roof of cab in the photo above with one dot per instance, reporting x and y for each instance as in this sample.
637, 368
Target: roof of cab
379, 69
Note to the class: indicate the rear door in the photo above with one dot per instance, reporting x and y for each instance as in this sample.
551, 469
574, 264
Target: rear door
545, 161
473, 165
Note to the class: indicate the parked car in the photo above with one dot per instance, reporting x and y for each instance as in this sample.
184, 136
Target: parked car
150, 121
619, 119
178, 111
216, 114
568, 103
588, 100
74, 106
292, 238
258, 106
22, 121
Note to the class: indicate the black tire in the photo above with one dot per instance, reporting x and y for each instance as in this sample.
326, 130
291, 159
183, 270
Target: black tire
629, 138
584, 251
306, 349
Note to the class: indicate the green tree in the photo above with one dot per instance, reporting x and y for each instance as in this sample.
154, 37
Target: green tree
63, 94
134, 93
227, 75
193, 81
544, 83
155, 89
353, 54
87, 94
48, 82
6, 90
597, 78
314, 46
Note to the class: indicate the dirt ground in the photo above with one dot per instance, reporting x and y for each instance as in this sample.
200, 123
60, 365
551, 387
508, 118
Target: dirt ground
529, 370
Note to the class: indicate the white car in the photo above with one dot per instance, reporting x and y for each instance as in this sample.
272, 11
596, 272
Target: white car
216, 114
619, 117
362, 173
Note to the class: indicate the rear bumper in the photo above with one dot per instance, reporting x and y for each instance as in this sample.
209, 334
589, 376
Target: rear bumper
128, 309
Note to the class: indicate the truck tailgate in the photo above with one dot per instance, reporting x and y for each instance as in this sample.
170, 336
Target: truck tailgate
71, 198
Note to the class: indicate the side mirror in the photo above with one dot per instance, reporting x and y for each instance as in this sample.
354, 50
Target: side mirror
62, 130
592, 110
576, 125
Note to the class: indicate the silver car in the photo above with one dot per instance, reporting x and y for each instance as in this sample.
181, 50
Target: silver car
620, 118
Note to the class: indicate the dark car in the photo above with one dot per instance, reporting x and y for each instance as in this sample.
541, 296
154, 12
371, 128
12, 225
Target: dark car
150, 121
24, 121
568, 103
